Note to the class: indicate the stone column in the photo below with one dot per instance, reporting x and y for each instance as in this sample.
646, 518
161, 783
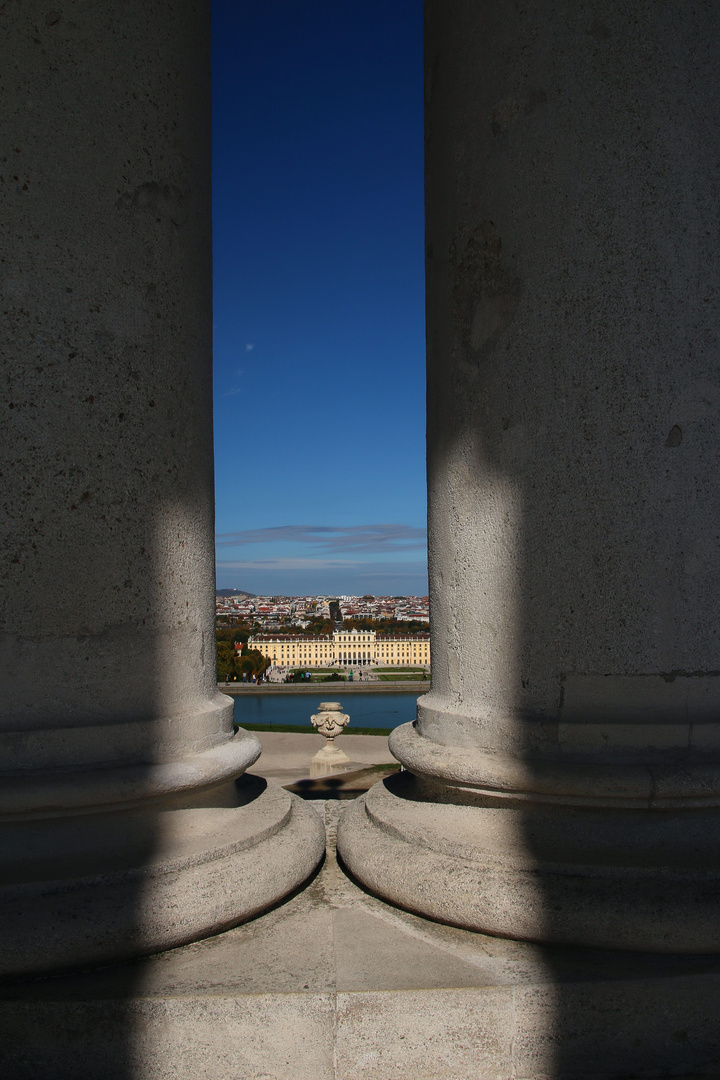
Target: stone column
566, 764
122, 827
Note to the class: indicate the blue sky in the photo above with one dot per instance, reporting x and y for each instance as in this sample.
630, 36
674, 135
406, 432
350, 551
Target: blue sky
318, 285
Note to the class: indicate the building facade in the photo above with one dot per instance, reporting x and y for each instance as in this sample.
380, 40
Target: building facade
344, 648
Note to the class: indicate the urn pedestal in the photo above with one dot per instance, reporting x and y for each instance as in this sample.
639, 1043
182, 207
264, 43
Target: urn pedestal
329, 721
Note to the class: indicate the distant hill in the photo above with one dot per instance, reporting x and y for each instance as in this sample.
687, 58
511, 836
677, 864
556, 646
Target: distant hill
235, 592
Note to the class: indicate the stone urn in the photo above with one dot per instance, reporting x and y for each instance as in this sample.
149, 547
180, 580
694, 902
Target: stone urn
330, 721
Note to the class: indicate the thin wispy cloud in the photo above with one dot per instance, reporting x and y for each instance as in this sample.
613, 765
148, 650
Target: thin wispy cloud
357, 569
289, 564
331, 539
292, 575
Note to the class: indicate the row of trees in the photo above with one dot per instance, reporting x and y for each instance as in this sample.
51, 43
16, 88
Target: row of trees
386, 626
230, 664
317, 626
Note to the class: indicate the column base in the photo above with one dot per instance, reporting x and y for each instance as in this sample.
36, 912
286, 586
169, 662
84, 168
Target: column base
610, 878
336, 985
132, 880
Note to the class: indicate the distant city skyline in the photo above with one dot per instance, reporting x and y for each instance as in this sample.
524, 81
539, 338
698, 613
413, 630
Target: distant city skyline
319, 297
275, 612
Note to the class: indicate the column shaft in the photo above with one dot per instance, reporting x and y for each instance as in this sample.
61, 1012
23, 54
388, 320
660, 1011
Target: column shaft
566, 759
122, 826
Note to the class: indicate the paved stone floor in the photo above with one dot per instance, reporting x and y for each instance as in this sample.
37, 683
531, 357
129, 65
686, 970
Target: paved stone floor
333, 984
285, 757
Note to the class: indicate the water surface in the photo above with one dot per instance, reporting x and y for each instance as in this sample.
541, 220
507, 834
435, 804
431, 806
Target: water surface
365, 710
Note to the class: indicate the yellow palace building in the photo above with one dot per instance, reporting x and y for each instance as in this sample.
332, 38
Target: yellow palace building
344, 648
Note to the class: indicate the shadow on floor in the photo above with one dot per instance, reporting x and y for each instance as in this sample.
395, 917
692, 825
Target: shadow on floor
344, 786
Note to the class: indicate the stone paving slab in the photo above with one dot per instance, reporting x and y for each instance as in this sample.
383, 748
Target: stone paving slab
285, 757
333, 984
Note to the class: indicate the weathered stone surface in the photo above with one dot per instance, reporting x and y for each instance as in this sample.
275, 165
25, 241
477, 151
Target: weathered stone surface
334, 984
550, 874
121, 828
99, 887
567, 753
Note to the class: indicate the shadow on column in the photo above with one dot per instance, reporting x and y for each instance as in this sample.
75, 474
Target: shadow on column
567, 766
580, 498
122, 828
